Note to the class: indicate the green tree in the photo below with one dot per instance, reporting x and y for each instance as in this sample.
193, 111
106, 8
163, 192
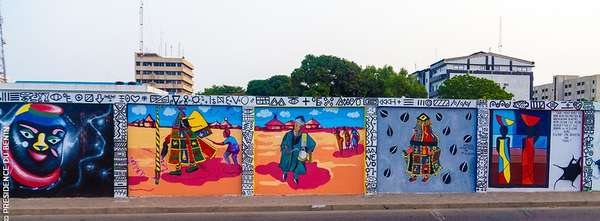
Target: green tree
223, 90
470, 87
326, 76
385, 82
278, 85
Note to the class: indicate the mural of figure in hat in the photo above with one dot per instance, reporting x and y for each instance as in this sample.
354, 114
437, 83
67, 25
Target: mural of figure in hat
185, 146
296, 148
422, 156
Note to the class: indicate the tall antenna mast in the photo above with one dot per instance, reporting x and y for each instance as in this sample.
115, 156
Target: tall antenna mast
500, 37
141, 28
2, 43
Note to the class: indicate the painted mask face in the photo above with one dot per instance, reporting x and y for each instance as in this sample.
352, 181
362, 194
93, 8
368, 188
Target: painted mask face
36, 145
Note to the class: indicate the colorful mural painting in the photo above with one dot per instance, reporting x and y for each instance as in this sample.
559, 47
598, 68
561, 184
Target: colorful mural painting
519, 149
58, 150
593, 161
566, 158
426, 150
184, 150
309, 151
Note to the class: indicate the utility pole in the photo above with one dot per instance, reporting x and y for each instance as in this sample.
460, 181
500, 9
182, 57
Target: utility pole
3, 78
500, 37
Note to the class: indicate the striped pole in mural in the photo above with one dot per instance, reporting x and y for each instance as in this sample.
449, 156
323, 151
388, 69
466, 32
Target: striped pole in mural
157, 141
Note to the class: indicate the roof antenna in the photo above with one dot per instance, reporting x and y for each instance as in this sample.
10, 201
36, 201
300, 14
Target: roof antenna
141, 27
178, 49
500, 37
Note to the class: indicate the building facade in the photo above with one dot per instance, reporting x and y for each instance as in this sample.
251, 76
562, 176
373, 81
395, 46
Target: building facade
569, 87
173, 75
513, 74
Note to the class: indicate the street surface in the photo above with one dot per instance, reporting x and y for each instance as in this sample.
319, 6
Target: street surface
510, 214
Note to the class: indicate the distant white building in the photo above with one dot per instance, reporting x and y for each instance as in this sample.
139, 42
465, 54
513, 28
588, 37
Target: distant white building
569, 87
513, 74
78, 87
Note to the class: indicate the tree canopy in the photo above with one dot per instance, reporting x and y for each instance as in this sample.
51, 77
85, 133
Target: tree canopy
470, 87
385, 82
330, 76
326, 75
224, 90
278, 85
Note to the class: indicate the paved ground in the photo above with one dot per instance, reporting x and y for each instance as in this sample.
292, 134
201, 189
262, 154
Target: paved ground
512, 214
66, 206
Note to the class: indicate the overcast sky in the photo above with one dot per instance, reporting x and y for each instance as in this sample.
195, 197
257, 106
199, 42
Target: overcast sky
232, 42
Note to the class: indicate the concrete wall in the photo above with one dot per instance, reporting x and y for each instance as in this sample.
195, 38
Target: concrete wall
552, 142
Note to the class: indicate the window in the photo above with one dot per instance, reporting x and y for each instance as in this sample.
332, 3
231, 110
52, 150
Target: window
170, 64
582, 83
137, 63
159, 72
178, 64
582, 91
159, 64
147, 72
147, 63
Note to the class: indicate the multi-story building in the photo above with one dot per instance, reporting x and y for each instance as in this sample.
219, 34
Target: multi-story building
569, 87
513, 74
174, 75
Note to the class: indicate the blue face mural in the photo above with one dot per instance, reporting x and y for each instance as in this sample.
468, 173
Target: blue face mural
59, 150
426, 150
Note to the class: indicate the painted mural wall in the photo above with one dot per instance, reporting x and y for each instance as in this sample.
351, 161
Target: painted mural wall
184, 150
58, 150
309, 151
88, 145
535, 150
426, 150
594, 159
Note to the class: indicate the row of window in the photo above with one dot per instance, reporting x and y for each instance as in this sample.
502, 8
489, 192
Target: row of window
159, 64
582, 83
172, 90
489, 67
163, 82
178, 73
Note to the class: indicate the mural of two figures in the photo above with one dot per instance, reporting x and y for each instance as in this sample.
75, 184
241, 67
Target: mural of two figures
426, 150
309, 150
184, 150
58, 150
529, 149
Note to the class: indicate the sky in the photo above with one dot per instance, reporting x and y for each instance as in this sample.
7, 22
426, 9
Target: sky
327, 117
232, 42
168, 114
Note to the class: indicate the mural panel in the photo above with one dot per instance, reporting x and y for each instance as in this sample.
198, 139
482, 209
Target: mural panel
595, 155
519, 149
58, 150
426, 150
535, 150
566, 151
184, 150
309, 151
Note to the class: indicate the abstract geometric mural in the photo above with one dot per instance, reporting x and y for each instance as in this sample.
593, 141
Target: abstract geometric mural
426, 150
519, 148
